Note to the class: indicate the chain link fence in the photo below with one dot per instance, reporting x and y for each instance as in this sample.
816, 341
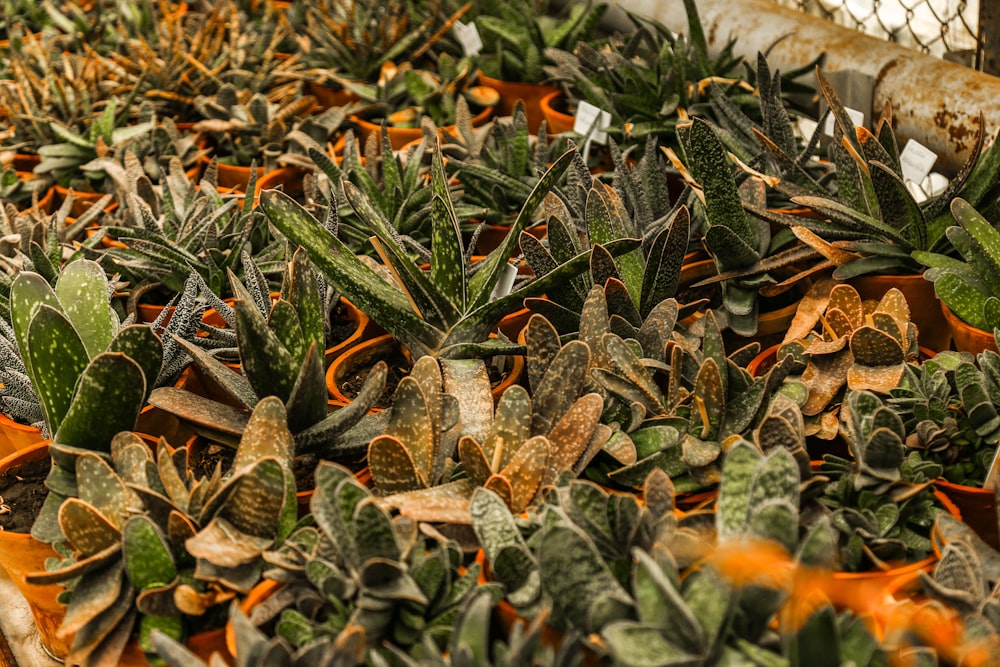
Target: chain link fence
944, 28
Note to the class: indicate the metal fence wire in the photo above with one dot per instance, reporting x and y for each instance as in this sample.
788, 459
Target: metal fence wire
944, 28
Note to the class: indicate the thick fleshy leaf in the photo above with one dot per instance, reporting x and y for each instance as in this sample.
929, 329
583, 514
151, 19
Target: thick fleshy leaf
392, 466
89, 531
107, 399
94, 594
148, 559
55, 358
410, 423
738, 472
525, 471
570, 437
82, 289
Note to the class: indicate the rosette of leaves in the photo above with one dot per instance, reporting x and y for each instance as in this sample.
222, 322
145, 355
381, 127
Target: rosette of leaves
874, 224
247, 129
638, 206
279, 343
516, 452
949, 411
185, 226
357, 570
748, 258
516, 35
404, 94
882, 501
21, 192
82, 150
965, 576
839, 342
148, 546
354, 41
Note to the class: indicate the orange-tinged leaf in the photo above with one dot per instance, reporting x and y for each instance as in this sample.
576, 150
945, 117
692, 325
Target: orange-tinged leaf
392, 467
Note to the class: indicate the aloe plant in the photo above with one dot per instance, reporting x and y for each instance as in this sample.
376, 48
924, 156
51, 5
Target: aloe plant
149, 547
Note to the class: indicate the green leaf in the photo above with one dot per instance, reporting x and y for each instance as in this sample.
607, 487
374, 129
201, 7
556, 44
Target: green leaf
267, 363
55, 357
82, 289
641, 645
738, 472
108, 397
148, 560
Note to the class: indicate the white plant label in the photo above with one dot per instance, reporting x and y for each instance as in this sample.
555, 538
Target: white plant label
590, 121
917, 161
468, 35
857, 117
506, 282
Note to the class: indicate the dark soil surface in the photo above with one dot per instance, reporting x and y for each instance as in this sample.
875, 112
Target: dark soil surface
340, 327
399, 367
22, 495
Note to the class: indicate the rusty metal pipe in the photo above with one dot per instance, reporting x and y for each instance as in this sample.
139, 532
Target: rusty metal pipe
936, 102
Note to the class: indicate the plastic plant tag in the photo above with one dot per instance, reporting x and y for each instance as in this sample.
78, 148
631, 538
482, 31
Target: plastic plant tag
505, 283
916, 161
468, 35
590, 121
857, 117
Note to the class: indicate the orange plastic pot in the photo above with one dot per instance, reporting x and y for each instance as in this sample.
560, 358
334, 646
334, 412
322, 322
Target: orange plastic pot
14, 436
400, 136
966, 337
235, 176
290, 179
363, 328
21, 554
530, 93
932, 331
257, 594
978, 508
556, 122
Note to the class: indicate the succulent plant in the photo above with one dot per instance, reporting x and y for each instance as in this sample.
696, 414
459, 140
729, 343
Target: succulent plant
949, 412
516, 36
882, 501
358, 570
839, 343
186, 226
968, 286
151, 547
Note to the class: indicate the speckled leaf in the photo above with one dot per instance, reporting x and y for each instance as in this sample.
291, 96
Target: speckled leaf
777, 476
658, 328
254, 505
639, 645
392, 467
884, 454
873, 347
55, 358
28, 291
511, 426
410, 423
570, 437
447, 503
93, 594
234, 384
107, 400
824, 376
224, 545
730, 248
86, 528
629, 365
267, 363
427, 372
621, 306
709, 402
494, 526
738, 472
502, 487
894, 303
542, 341
621, 448
889, 325
845, 298
575, 576
775, 520
266, 435
525, 471
562, 382
100, 488
839, 323
139, 343
881, 379
147, 556
658, 493
663, 264
474, 461
447, 258
180, 527
594, 325
660, 604
173, 479
698, 453
82, 289
812, 305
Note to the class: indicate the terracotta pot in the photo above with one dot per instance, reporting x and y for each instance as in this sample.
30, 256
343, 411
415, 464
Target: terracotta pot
15, 437
556, 122
932, 331
512, 91
328, 96
400, 136
289, 178
82, 201
257, 594
978, 508
373, 350
967, 338
235, 176
493, 235
21, 554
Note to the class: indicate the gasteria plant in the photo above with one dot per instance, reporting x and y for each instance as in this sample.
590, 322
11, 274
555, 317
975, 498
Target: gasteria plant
149, 546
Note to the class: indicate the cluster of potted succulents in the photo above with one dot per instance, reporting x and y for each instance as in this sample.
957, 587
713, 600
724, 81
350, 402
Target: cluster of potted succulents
279, 386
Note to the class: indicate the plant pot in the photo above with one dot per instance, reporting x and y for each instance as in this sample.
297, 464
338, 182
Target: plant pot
14, 436
978, 508
290, 179
363, 328
530, 93
965, 337
400, 136
235, 176
329, 96
21, 554
82, 201
493, 235
932, 331
556, 122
